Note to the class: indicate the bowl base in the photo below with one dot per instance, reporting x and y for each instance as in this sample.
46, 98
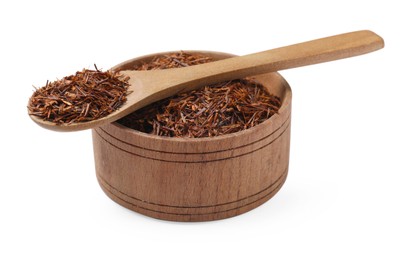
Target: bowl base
196, 213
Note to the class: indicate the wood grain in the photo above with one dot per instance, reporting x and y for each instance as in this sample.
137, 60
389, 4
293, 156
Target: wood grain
187, 179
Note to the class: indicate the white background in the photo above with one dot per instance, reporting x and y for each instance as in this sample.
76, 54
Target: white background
350, 187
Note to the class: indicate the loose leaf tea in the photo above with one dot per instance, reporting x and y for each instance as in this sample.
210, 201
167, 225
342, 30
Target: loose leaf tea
174, 60
213, 110
87, 95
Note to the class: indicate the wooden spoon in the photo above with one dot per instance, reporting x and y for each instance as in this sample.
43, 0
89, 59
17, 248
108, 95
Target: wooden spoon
151, 86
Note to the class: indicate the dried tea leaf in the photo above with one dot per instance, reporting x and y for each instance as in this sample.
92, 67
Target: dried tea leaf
88, 95
213, 110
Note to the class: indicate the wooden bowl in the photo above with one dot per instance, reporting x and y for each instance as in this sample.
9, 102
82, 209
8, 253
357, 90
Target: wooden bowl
196, 179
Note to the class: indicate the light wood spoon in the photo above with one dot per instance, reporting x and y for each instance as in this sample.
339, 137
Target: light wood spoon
154, 85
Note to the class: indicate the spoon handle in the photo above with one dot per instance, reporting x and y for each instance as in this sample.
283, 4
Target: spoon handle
312, 52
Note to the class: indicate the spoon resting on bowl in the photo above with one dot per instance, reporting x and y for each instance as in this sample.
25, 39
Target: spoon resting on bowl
150, 86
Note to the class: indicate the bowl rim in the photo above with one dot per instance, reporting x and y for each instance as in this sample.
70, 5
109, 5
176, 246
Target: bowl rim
286, 102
